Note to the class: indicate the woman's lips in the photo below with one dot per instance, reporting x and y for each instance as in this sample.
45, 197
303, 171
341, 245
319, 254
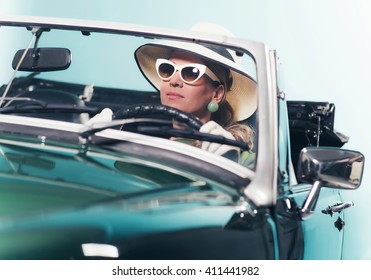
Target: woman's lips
174, 95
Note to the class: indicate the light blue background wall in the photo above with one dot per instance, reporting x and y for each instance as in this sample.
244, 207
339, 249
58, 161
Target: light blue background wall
324, 44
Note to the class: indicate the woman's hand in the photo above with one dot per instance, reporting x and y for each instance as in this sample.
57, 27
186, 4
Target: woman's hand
104, 116
219, 149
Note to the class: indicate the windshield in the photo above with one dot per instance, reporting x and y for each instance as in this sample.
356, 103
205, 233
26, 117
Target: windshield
75, 75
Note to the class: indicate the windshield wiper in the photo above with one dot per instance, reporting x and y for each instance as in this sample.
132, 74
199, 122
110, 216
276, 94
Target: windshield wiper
163, 131
192, 134
92, 129
37, 106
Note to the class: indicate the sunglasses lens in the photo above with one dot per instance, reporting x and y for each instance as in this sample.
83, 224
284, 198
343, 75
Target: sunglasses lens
166, 70
190, 74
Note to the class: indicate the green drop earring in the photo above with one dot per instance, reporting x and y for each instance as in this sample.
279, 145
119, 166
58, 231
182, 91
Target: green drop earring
212, 106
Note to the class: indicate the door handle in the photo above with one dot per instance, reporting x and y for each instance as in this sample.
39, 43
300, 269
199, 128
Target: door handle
337, 208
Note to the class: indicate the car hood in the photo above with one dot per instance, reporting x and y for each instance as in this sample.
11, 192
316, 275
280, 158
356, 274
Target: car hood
56, 197
114, 222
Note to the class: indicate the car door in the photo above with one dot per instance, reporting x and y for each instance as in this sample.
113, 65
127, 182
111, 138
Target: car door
323, 231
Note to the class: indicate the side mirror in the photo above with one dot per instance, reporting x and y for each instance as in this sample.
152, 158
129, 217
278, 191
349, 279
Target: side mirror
328, 167
42, 59
333, 167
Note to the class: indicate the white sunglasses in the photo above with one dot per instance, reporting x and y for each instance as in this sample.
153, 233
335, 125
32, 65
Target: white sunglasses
189, 73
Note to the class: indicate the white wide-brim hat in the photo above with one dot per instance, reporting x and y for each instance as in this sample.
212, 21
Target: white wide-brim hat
243, 93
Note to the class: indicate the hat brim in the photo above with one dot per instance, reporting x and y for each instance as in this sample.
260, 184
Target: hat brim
243, 93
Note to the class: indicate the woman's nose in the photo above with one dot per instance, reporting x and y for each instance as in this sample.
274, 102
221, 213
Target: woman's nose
175, 80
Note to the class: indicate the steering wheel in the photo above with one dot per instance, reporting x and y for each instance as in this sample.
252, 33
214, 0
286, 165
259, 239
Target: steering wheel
153, 109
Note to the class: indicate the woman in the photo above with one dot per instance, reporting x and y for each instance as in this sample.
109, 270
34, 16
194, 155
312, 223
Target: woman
205, 82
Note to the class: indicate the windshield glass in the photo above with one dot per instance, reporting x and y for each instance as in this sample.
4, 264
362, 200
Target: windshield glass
60, 73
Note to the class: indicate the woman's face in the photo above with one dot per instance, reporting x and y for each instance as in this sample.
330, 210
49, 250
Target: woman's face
190, 98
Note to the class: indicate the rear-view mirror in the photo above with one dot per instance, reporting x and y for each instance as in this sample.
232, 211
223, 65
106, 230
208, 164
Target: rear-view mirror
42, 59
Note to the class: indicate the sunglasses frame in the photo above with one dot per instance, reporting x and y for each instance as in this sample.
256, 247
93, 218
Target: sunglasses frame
203, 69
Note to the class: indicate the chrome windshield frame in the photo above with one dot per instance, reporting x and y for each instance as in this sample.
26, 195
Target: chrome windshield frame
263, 188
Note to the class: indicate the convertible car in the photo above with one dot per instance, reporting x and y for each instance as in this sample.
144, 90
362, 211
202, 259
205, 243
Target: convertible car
122, 188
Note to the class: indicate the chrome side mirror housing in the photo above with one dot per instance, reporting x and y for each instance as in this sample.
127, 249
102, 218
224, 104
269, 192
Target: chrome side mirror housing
328, 167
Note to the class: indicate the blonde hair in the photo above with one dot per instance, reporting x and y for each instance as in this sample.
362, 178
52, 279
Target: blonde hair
225, 114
